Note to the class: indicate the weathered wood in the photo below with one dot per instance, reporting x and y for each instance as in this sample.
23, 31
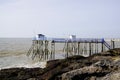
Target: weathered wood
78, 48
40, 48
53, 50
102, 47
112, 44
67, 49
46, 50
90, 49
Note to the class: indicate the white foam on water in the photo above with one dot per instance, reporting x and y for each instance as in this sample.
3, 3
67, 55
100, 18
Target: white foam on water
20, 61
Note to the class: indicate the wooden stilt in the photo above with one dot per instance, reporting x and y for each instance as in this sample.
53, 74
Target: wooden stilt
46, 50
78, 48
53, 50
102, 47
85, 48
90, 49
82, 48
96, 48
40, 47
113, 44
67, 49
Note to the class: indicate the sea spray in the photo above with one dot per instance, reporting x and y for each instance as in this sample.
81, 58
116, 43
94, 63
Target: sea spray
20, 61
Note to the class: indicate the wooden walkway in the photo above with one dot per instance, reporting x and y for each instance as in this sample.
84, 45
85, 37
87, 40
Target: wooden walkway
45, 48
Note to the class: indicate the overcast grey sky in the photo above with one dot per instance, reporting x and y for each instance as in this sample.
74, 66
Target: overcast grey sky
57, 18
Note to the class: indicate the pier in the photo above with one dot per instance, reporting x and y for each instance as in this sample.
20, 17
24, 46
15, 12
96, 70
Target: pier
44, 48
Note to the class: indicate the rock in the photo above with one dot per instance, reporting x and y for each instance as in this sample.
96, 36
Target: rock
32, 79
115, 52
100, 68
72, 75
96, 67
111, 76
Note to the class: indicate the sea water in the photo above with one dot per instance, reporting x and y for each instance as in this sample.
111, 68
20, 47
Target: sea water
13, 53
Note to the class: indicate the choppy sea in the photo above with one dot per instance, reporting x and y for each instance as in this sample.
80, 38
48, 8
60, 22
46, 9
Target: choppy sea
13, 53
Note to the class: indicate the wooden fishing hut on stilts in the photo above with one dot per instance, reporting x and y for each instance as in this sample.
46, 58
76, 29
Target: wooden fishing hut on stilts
44, 48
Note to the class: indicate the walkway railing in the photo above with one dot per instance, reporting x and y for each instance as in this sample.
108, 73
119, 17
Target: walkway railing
44, 48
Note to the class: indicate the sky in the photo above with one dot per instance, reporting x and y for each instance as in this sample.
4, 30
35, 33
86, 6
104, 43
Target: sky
60, 18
